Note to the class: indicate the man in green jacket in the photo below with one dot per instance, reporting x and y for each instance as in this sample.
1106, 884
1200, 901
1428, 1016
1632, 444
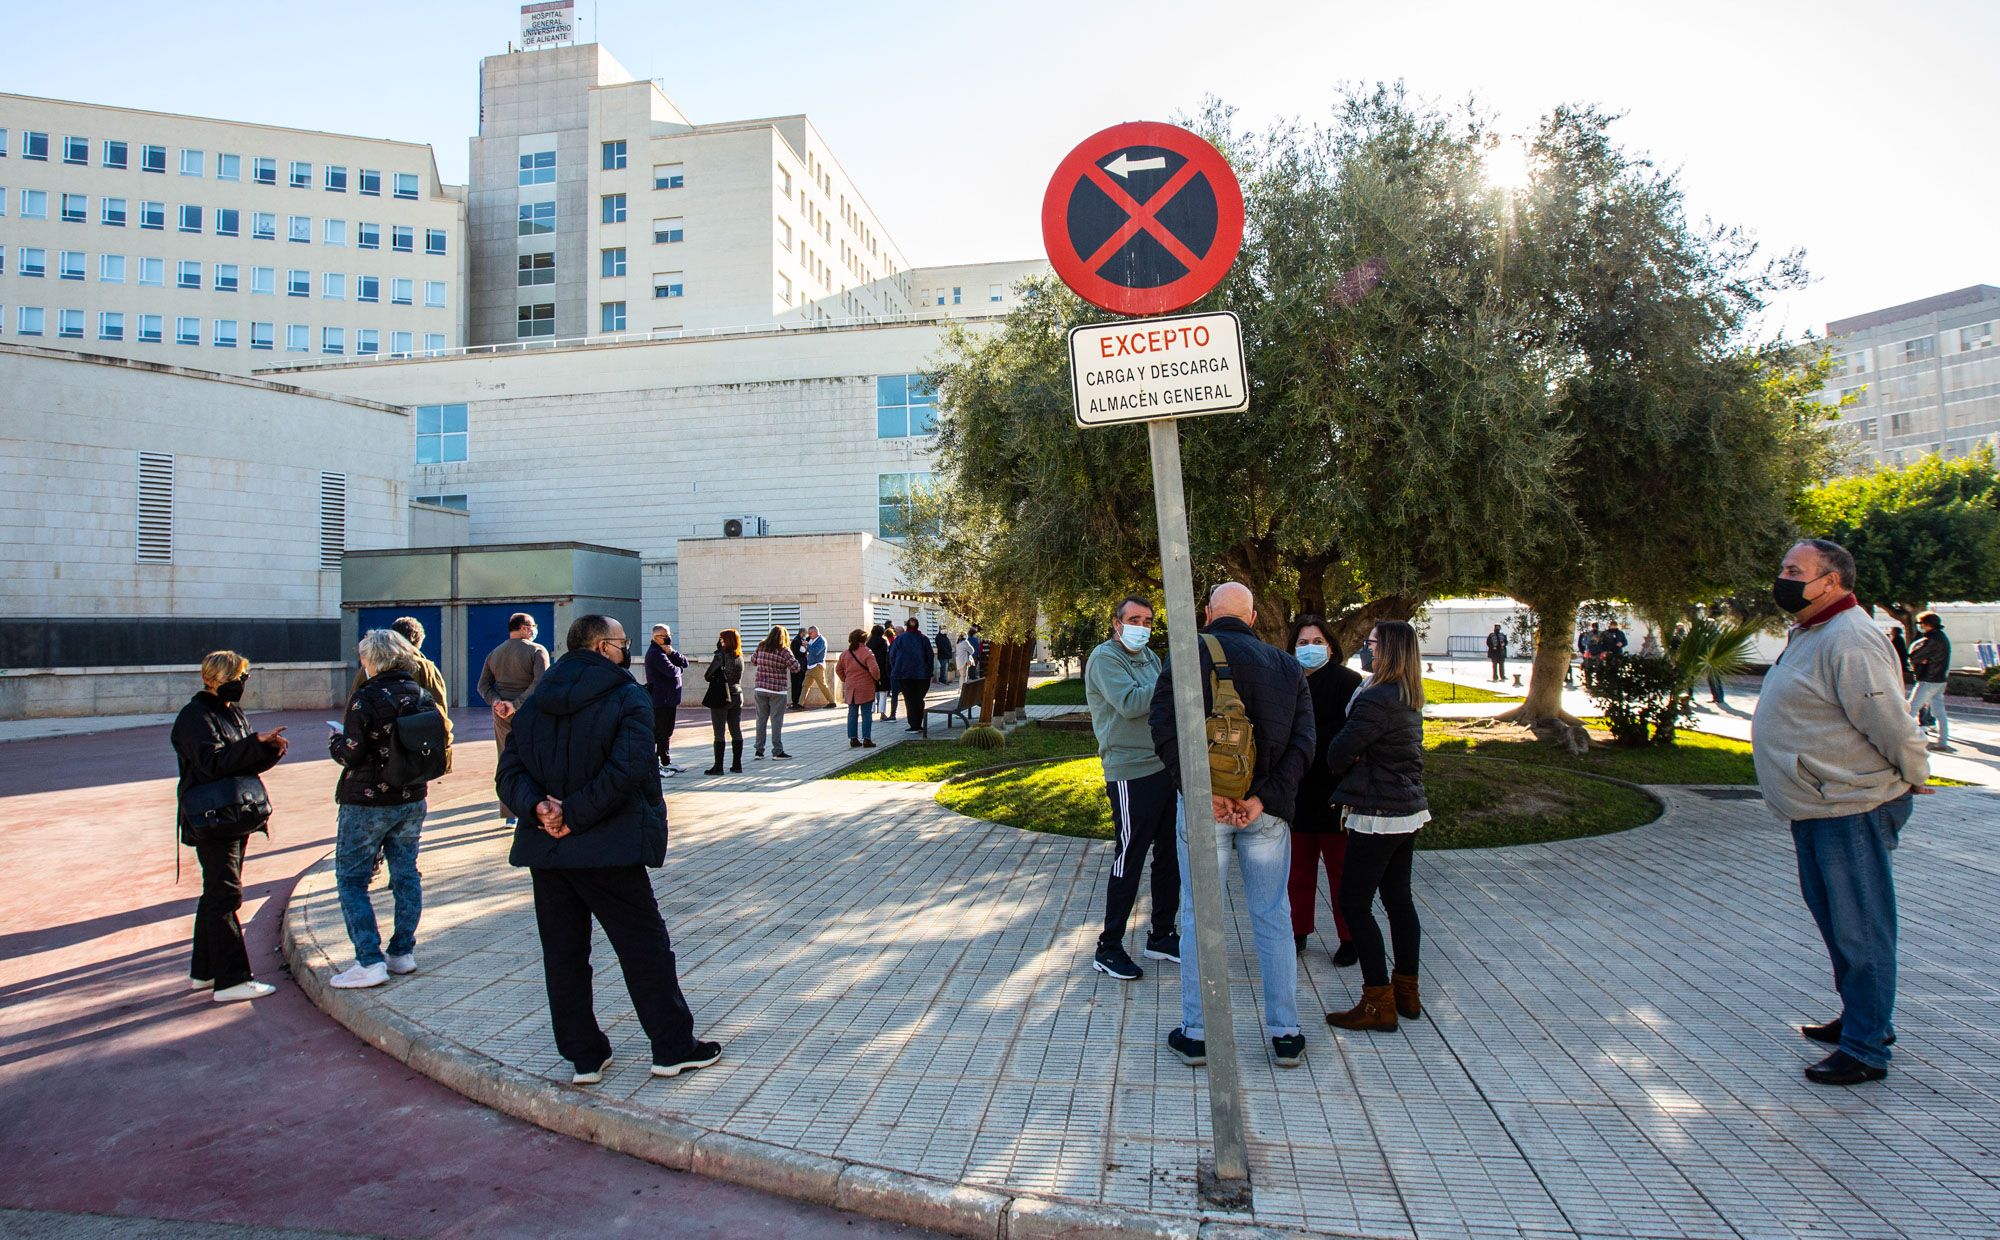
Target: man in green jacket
1118, 682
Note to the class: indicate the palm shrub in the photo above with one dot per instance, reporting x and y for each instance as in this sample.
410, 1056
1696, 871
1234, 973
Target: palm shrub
1698, 650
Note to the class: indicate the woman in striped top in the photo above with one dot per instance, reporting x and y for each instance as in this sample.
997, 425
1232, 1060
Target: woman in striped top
774, 664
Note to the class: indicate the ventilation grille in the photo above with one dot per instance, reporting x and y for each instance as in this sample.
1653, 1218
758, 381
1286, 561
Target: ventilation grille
753, 621
332, 519
154, 536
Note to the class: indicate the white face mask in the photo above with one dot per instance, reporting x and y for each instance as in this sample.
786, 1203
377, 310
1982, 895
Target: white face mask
1134, 637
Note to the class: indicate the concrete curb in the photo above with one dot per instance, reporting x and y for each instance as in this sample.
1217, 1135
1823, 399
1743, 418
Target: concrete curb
972, 1211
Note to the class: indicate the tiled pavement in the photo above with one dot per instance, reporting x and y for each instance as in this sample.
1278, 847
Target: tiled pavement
1610, 1050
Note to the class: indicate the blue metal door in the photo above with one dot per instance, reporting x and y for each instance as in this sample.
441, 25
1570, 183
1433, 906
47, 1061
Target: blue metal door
486, 628
432, 618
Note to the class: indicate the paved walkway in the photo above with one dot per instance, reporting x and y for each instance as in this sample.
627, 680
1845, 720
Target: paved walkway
1610, 1050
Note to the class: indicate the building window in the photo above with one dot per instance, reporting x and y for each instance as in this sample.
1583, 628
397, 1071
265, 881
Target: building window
333, 286
110, 325
190, 218
614, 262
34, 145
368, 288
535, 269
34, 204
434, 294
332, 519
895, 499
76, 150
69, 265
225, 277
299, 228
454, 502
532, 321
537, 218
69, 324
264, 280
298, 338
401, 290
538, 168
152, 328
334, 232
433, 342
669, 231
262, 336
153, 159
189, 274
784, 184
371, 182
153, 534
1919, 349
264, 170
785, 236
614, 156
399, 344
669, 284
187, 330
1977, 336
335, 179
957, 296
191, 163
367, 341
669, 176
225, 333
402, 239
785, 289
111, 211
441, 435
263, 226
153, 215
111, 269
433, 240
75, 208
904, 405
153, 272
298, 283
229, 167
302, 175
228, 222
34, 261
368, 236
406, 185
994, 293
612, 316
29, 321
333, 341
115, 154
614, 209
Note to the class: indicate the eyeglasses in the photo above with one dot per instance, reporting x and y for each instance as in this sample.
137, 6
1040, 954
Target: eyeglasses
1369, 641
623, 643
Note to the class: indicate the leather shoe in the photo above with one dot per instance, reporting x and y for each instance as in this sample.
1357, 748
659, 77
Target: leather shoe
1829, 1033
1841, 1068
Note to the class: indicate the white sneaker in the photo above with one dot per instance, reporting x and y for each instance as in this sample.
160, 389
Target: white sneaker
360, 977
400, 965
580, 1077
197, 983
676, 768
668, 772
241, 991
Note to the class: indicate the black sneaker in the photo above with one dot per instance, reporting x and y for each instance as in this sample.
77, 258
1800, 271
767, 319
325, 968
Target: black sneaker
779, 753
1163, 946
1113, 960
700, 1055
1290, 1051
1192, 1053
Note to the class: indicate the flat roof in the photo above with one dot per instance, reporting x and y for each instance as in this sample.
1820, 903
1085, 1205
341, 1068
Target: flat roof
188, 372
1969, 296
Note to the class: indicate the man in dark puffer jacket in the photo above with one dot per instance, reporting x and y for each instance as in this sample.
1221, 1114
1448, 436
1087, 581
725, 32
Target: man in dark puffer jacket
579, 774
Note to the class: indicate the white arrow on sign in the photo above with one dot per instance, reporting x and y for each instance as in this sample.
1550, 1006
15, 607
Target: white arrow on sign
1124, 166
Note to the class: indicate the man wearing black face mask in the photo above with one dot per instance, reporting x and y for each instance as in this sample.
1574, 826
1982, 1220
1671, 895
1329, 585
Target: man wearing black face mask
1839, 757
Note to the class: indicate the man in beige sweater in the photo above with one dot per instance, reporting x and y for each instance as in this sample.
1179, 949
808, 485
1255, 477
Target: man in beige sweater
512, 671
1839, 758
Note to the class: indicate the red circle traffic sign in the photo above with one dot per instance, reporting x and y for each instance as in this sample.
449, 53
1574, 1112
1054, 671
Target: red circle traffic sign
1142, 218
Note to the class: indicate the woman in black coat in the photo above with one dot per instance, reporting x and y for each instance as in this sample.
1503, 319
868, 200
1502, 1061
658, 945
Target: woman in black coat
724, 698
1377, 760
1317, 839
212, 740
878, 645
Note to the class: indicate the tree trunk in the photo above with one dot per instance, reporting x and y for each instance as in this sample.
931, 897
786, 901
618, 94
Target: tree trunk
1555, 635
1348, 631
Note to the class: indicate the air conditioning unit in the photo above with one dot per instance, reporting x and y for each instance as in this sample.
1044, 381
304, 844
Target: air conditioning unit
745, 527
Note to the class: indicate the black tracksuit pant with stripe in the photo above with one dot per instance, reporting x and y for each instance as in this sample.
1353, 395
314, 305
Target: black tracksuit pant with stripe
1142, 817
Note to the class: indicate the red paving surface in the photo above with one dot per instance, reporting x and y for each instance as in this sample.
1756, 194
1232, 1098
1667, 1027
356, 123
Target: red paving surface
121, 1093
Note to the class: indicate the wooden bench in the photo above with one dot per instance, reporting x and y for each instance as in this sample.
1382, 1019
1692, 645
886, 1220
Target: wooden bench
968, 702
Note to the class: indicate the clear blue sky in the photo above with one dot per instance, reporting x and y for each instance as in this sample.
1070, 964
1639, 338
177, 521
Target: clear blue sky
1860, 131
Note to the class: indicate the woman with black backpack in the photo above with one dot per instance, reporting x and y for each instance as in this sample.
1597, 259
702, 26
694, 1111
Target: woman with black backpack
381, 798
724, 698
220, 803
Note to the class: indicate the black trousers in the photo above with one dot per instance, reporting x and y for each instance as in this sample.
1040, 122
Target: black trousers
798, 684
621, 899
1380, 863
663, 732
731, 719
219, 953
913, 699
1142, 820
1500, 668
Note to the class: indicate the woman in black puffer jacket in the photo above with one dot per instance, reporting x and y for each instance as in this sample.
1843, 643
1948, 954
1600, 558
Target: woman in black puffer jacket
1378, 759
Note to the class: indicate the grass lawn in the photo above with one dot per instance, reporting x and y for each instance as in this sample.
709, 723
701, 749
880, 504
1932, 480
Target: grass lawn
1474, 804
1070, 693
929, 761
1057, 693
1447, 692
1694, 758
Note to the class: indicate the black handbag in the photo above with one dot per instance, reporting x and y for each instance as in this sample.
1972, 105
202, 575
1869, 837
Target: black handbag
225, 809
416, 748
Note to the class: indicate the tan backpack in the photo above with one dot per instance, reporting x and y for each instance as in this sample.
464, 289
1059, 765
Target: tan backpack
1232, 742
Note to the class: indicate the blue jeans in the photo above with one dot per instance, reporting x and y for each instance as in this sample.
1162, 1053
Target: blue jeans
865, 712
366, 833
1845, 876
1264, 852
1931, 694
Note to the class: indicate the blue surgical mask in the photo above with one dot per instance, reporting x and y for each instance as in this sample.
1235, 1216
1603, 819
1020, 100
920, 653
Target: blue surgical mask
1134, 637
1312, 656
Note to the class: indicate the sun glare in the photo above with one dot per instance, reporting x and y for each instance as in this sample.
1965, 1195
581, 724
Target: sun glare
1506, 164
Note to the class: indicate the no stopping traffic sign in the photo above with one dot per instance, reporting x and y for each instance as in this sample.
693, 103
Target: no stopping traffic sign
1142, 218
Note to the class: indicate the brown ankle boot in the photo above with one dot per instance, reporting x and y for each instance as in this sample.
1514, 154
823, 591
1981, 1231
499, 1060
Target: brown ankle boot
1376, 1011
1407, 1004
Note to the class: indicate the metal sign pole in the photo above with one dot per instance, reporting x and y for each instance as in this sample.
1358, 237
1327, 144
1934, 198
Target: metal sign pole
1225, 1088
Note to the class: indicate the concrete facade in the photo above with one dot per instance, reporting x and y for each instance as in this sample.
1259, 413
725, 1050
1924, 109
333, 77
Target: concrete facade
1922, 377
201, 263
835, 580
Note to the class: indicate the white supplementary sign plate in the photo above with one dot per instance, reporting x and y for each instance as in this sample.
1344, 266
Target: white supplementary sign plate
1141, 370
